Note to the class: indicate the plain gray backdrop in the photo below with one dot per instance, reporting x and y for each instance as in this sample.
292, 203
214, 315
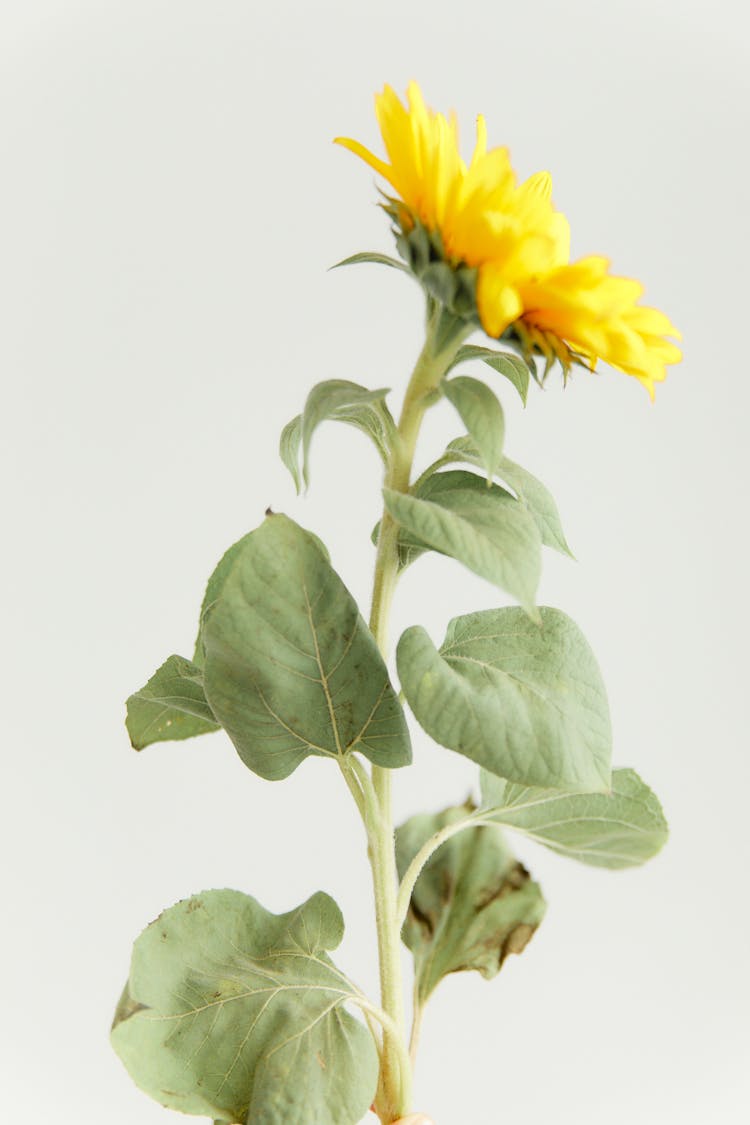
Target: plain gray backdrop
171, 202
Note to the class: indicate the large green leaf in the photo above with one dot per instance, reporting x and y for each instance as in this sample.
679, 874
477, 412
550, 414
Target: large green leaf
472, 904
336, 400
621, 828
526, 703
291, 668
482, 415
234, 1013
172, 705
486, 529
511, 366
529, 490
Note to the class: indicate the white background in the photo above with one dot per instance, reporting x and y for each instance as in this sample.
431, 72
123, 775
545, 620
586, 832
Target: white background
171, 201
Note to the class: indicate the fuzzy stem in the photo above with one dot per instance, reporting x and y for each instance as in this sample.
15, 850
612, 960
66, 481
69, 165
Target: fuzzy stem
444, 336
412, 872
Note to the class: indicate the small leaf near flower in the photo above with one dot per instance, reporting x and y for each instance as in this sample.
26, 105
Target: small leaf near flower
482, 415
511, 366
486, 529
336, 400
530, 491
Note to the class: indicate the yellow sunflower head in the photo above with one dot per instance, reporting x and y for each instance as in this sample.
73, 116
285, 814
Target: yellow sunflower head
498, 252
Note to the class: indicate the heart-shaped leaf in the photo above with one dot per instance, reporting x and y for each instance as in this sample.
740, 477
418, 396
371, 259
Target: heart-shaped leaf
291, 668
237, 1014
526, 703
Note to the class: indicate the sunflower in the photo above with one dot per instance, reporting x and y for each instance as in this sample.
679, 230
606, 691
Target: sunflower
507, 248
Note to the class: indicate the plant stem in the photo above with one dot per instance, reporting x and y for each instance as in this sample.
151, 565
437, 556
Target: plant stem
416, 1027
473, 820
444, 336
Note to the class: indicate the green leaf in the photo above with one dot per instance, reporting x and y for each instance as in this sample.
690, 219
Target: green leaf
511, 366
482, 415
622, 828
472, 904
526, 703
237, 1014
336, 400
486, 529
171, 706
372, 256
214, 587
529, 490
291, 668
373, 419
289, 447
342, 401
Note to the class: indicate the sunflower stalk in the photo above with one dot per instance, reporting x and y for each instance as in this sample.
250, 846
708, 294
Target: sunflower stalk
237, 1014
444, 336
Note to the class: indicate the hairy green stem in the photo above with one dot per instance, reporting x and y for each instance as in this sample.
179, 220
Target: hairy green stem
416, 1027
444, 336
412, 872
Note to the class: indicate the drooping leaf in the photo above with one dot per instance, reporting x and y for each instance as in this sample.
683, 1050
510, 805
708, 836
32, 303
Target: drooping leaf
482, 415
291, 668
505, 363
525, 702
374, 258
472, 904
373, 419
336, 400
622, 828
289, 447
237, 1014
529, 490
486, 529
171, 706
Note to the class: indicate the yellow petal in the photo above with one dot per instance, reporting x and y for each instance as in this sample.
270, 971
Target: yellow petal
498, 303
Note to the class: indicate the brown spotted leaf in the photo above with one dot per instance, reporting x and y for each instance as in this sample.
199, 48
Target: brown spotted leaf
472, 905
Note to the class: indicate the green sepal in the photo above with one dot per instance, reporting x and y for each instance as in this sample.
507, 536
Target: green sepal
482, 414
237, 1014
525, 702
622, 828
171, 706
336, 400
452, 284
291, 669
485, 528
515, 369
472, 905
372, 257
